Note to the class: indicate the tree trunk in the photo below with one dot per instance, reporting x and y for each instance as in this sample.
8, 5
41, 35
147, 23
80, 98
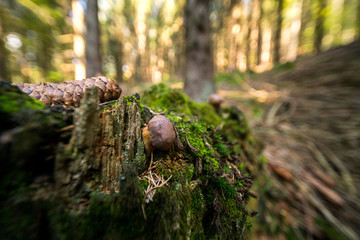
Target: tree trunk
319, 25
358, 21
4, 74
116, 49
277, 38
199, 69
259, 42
78, 42
93, 56
93, 180
305, 16
248, 37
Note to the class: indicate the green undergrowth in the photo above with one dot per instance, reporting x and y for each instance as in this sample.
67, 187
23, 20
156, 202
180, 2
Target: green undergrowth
284, 67
232, 78
167, 100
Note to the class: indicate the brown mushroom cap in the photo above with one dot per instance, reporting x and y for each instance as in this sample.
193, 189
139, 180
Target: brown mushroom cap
162, 134
216, 99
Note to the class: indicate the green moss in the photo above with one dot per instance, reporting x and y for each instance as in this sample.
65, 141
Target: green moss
114, 216
108, 106
222, 149
236, 126
197, 209
231, 208
226, 188
12, 100
178, 169
194, 133
164, 99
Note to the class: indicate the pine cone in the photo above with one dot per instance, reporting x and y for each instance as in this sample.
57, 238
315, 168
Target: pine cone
70, 93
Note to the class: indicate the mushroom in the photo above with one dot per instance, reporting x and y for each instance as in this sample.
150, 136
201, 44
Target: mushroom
149, 148
159, 134
216, 100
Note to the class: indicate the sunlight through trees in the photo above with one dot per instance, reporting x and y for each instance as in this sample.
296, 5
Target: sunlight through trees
144, 41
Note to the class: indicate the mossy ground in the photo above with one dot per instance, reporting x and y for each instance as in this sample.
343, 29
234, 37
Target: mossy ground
206, 197
12, 101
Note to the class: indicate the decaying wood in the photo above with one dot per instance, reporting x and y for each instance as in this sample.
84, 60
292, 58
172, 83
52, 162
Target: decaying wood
100, 137
70, 93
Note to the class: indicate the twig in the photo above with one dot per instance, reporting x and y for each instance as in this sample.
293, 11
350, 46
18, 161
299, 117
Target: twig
191, 147
158, 186
151, 161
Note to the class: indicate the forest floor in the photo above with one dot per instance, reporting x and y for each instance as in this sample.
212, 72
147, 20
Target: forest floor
307, 113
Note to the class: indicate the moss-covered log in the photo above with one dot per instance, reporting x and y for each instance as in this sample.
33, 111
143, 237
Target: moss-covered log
84, 173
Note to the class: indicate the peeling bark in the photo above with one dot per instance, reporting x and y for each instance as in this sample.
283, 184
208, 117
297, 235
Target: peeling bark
100, 146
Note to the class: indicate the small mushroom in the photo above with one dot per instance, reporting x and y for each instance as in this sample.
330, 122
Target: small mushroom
149, 148
159, 134
216, 100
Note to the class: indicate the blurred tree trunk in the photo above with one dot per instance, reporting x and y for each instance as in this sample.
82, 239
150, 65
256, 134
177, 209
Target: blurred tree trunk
358, 21
119, 61
78, 42
4, 74
259, 43
319, 25
93, 56
277, 38
138, 70
44, 48
116, 49
199, 69
305, 16
248, 37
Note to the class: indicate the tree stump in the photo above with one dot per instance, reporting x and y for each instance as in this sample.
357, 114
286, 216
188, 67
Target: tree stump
83, 173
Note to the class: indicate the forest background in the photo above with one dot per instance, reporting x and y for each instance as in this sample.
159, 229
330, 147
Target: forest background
144, 41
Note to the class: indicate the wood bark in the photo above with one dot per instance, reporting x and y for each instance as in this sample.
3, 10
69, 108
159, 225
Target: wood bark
248, 37
199, 69
277, 38
305, 16
93, 56
259, 41
97, 141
